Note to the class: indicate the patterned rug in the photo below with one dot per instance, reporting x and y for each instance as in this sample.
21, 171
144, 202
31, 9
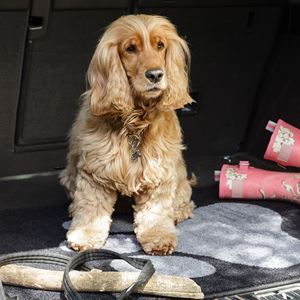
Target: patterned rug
228, 245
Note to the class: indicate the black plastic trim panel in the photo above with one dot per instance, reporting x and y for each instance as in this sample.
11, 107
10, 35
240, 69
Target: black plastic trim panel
89, 4
207, 3
14, 5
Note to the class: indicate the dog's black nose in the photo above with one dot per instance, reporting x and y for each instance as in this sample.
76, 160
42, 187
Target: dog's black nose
154, 75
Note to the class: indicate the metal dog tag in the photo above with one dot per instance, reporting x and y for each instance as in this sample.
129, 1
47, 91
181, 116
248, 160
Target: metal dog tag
134, 142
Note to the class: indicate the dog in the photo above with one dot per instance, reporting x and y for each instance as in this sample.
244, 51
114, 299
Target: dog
127, 138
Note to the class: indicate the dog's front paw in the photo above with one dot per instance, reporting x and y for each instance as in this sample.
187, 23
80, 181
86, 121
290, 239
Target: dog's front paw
82, 239
158, 241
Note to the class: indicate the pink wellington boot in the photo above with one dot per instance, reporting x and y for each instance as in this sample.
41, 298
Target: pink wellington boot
243, 181
284, 145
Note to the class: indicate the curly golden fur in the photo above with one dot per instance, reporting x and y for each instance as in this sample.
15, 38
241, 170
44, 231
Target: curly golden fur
137, 77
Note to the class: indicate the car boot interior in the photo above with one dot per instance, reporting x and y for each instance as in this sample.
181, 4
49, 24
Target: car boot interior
245, 71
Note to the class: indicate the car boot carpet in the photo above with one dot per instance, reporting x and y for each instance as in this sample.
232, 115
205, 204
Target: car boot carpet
226, 246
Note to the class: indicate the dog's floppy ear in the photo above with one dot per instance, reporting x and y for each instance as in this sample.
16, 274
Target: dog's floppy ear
177, 69
109, 87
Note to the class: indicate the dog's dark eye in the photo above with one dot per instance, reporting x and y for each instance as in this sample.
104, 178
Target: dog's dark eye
131, 48
160, 45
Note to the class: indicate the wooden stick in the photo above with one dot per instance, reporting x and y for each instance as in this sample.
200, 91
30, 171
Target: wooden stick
98, 281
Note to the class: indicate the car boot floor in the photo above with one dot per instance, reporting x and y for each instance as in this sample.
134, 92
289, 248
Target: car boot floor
227, 245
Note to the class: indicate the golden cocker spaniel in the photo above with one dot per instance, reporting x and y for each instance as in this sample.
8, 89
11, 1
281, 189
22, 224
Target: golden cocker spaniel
127, 137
